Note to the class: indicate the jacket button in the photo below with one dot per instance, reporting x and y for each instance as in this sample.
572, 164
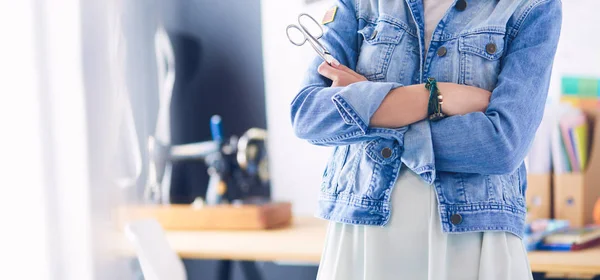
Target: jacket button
461, 5
386, 152
490, 48
442, 51
456, 219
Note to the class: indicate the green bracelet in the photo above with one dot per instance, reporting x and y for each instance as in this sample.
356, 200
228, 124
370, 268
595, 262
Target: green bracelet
435, 101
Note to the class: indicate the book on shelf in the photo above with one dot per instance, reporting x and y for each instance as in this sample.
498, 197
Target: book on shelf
572, 239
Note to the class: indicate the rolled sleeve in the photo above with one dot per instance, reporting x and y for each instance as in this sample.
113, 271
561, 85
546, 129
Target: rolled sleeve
352, 105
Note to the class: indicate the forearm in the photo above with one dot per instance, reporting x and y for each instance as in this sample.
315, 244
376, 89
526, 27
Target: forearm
407, 105
402, 106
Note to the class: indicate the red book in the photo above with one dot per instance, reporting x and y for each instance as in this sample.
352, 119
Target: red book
573, 239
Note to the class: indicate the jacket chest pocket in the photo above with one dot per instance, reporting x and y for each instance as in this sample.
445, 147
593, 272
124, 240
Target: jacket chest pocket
379, 42
480, 56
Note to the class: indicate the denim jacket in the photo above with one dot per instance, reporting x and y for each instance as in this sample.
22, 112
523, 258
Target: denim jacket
474, 161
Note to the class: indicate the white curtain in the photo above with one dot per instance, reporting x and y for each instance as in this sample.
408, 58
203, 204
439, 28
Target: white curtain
62, 109
22, 208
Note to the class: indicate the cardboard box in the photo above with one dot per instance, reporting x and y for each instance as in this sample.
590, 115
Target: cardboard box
539, 196
576, 193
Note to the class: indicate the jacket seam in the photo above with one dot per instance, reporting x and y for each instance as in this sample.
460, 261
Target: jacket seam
500, 30
484, 206
390, 20
525, 15
337, 138
348, 109
373, 222
515, 231
351, 199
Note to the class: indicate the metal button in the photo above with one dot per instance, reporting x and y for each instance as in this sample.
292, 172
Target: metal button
461, 5
442, 51
386, 152
490, 48
456, 219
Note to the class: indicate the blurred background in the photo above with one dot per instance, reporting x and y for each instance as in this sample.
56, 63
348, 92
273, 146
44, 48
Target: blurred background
152, 140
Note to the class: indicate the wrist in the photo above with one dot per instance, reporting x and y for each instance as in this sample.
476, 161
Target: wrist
435, 102
448, 97
402, 106
462, 99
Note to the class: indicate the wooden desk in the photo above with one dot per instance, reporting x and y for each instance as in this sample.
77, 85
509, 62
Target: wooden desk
581, 264
303, 242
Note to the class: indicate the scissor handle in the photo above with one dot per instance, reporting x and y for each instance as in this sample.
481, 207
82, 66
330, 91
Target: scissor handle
293, 26
311, 38
314, 21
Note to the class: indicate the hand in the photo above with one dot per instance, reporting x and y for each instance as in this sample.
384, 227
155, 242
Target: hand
340, 75
462, 99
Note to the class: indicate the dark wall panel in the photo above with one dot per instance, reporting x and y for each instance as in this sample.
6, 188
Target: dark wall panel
219, 71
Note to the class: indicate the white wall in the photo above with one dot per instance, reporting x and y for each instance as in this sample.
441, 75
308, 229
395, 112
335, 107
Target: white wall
579, 47
296, 166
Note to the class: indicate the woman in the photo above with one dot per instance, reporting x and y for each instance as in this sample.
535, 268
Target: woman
410, 198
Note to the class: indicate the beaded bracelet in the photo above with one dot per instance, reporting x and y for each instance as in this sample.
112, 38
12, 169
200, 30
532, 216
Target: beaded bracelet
435, 100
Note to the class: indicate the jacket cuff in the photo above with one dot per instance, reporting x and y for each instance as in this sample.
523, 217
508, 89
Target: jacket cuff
358, 102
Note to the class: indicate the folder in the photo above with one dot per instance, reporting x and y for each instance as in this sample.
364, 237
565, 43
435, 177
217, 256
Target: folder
581, 139
560, 158
575, 139
565, 129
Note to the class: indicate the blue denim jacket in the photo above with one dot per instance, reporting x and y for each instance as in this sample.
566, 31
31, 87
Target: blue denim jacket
474, 161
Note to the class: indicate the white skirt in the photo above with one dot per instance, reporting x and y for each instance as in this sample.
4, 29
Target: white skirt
412, 245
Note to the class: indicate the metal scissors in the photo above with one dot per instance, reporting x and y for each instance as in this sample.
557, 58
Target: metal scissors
304, 34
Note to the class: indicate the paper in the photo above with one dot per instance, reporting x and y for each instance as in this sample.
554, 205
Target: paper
560, 159
570, 141
579, 135
582, 145
565, 157
568, 144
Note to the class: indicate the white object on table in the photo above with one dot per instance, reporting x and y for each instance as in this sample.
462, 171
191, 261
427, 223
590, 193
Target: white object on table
157, 259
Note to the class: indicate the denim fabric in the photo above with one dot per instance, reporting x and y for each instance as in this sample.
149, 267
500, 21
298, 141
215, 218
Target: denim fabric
474, 161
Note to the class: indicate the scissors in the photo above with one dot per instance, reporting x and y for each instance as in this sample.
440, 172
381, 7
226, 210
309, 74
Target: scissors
305, 34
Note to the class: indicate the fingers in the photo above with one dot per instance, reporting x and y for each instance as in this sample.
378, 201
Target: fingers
340, 75
335, 62
334, 72
329, 72
351, 72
